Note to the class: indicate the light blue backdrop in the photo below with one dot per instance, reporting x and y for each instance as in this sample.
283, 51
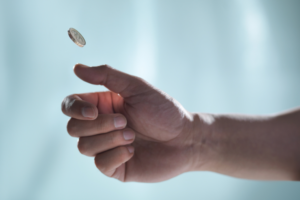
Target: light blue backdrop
212, 56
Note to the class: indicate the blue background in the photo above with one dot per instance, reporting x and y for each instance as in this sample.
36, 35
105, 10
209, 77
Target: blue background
234, 56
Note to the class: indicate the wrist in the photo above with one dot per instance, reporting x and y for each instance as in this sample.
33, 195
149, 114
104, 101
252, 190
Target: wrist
204, 152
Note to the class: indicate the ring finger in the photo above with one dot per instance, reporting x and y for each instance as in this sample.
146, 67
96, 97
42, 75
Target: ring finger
92, 145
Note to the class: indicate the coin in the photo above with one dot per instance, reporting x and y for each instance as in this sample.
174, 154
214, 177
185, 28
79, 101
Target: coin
76, 37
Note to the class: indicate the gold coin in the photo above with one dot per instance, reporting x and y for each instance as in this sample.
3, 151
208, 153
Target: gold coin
76, 37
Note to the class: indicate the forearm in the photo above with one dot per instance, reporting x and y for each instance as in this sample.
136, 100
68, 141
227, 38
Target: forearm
252, 147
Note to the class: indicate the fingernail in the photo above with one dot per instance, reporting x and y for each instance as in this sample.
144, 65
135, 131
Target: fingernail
128, 135
120, 122
130, 149
88, 112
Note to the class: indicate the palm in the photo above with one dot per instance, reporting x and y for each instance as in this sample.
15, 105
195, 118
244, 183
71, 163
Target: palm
159, 123
162, 126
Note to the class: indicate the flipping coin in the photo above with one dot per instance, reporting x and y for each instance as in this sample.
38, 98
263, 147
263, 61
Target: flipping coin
76, 37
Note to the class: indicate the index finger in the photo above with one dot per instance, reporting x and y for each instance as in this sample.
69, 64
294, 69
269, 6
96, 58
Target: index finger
77, 108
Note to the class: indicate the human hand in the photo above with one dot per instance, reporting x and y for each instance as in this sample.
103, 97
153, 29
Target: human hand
155, 142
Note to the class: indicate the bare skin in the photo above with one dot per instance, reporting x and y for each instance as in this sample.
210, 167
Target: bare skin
138, 133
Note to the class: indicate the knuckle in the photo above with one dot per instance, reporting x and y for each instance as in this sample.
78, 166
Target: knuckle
100, 123
111, 139
115, 138
72, 128
100, 165
83, 146
139, 79
105, 70
122, 180
105, 67
123, 153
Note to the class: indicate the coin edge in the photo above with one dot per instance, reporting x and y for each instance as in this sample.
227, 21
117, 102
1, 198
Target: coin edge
73, 38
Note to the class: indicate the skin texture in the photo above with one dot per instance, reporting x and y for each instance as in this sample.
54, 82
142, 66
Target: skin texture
256, 147
162, 127
138, 133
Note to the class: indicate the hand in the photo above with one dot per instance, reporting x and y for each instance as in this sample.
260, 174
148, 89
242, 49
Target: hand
135, 131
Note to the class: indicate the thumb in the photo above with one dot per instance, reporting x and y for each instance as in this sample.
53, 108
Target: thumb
124, 84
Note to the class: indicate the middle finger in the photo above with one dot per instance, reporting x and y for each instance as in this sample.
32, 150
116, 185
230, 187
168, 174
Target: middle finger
90, 146
102, 124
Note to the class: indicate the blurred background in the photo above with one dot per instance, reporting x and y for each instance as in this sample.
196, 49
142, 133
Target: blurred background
233, 56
